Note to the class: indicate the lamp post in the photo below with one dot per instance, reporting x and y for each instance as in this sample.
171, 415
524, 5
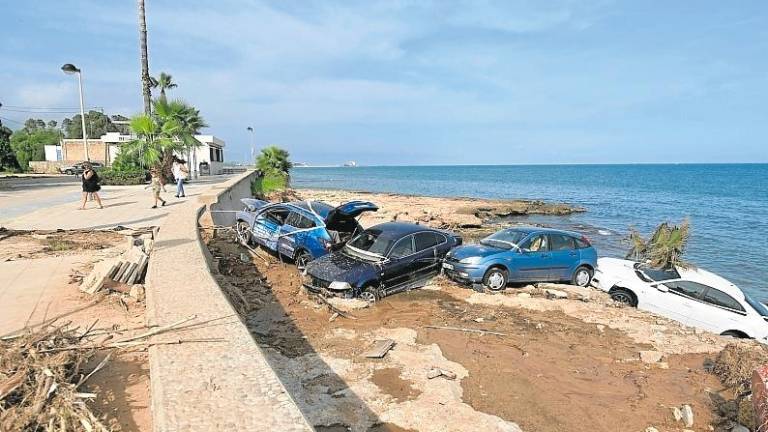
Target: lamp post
70, 69
253, 149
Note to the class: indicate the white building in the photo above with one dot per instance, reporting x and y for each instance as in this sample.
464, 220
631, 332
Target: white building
207, 159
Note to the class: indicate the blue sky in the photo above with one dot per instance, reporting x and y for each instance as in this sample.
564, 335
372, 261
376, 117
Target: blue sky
419, 82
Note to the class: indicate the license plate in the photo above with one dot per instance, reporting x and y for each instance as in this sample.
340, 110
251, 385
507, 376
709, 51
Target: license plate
448, 266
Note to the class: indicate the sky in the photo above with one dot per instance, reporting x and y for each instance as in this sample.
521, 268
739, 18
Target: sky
403, 82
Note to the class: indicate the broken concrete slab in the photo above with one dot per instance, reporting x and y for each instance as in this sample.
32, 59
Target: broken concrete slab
379, 349
96, 278
651, 356
687, 418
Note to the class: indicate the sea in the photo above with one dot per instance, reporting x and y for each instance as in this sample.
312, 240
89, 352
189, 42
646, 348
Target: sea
726, 204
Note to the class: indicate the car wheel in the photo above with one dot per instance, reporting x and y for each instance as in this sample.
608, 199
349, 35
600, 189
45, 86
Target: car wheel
624, 296
582, 276
370, 295
68, 172
496, 279
242, 233
302, 259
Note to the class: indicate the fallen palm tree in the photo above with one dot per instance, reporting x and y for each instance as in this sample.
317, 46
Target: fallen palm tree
664, 248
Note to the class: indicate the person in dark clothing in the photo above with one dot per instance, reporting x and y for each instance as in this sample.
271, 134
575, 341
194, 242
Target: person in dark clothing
90, 185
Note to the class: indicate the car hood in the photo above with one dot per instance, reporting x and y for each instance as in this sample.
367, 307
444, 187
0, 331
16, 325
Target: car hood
475, 250
339, 267
611, 271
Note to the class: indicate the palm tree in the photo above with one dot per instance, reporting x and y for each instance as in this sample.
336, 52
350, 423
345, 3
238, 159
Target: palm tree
153, 140
145, 78
163, 82
187, 121
664, 249
274, 160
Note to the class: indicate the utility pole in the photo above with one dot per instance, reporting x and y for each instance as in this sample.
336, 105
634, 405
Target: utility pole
71, 69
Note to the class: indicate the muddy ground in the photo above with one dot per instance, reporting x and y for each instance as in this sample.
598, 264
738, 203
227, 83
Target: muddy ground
561, 365
122, 387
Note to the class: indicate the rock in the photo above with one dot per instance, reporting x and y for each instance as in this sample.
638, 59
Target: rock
137, 292
650, 356
740, 428
523, 295
651, 429
478, 320
662, 365
244, 257
601, 328
677, 414
433, 373
687, 415
555, 294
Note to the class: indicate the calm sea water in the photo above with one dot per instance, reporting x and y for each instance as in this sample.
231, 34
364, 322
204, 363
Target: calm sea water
727, 204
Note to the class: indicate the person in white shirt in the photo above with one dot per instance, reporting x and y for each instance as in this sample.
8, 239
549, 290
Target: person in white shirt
180, 173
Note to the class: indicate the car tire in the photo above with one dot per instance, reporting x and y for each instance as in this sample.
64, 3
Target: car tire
370, 295
623, 296
582, 276
69, 172
496, 278
302, 259
734, 334
242, 233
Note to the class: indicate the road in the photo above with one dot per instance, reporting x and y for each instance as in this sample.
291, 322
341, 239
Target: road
53, 202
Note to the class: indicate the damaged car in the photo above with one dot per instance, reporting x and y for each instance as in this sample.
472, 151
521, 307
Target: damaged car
380, 261
299, 230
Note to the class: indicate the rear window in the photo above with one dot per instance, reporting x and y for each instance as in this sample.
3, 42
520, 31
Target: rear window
559, 242
582, 243
402, 248
655, 274
719, 298
298, 220
425, 240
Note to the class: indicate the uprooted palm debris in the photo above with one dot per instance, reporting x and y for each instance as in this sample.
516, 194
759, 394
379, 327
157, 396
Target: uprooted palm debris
734, 366
41, 381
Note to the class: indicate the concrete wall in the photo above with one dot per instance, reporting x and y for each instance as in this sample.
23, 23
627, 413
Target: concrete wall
73, 150
45, 167
222, 385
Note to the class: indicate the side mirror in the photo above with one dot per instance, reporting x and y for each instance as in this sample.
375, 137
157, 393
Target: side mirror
662, 288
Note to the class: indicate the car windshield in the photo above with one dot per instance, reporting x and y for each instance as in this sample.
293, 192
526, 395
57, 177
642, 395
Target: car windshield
506, 239
369, 244
649, 273
756, 305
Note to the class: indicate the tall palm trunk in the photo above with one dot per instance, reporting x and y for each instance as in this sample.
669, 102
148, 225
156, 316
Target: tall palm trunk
145, 82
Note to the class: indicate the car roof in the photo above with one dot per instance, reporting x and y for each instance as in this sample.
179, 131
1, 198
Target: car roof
319, 207
544, 230
401, 229
705, 277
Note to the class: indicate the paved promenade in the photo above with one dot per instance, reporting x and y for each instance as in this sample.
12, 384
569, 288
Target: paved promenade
51, 203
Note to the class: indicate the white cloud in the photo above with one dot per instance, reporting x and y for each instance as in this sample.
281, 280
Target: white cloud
47, 95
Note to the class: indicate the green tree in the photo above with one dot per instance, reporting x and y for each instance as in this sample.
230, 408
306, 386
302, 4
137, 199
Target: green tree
96, 123
274, 160
163, 82
664, 248
30, 145
8, 160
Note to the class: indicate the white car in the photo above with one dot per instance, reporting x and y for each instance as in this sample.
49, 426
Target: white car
692, 296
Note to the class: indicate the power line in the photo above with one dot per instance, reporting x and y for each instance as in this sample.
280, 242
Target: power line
50, 111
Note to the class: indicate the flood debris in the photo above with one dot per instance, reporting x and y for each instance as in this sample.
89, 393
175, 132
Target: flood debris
437, 372
379, 348
129, 268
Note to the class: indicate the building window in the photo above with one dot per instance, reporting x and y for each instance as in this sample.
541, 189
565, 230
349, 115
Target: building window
212, 157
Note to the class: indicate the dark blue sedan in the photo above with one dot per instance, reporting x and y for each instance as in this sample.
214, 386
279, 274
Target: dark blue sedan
382, 260
524, 255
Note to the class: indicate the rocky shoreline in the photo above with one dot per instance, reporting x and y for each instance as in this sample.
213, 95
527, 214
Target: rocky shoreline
438, 212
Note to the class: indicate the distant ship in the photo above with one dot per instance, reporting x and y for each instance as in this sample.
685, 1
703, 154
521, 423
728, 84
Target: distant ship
350, 164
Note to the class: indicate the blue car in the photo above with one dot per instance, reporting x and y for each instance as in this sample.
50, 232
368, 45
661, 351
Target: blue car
300, 230
524, 255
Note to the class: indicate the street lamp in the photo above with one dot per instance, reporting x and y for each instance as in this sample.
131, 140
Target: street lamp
253, 149
70, 69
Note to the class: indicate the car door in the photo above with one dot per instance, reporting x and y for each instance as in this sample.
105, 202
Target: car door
681, 300
287, 241
564, 257
396, 271
267, 225
533, 262
720, 312
428, 259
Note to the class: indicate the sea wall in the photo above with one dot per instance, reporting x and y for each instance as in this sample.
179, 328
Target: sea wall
221, 380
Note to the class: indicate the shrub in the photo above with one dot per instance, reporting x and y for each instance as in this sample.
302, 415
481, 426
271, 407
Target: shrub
122, 177
268, 183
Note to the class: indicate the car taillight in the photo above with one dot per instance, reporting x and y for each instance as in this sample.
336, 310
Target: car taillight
586, 240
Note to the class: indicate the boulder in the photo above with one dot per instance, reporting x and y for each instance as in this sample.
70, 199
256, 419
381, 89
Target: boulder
137, 292
687, 415
555, 294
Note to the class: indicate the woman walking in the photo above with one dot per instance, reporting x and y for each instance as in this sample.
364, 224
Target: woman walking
180, 173
90, 185
157, 185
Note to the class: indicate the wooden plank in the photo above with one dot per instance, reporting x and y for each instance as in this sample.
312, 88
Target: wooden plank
380, 348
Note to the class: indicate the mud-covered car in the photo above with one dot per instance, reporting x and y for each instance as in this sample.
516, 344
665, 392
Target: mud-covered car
300, 230
382, 260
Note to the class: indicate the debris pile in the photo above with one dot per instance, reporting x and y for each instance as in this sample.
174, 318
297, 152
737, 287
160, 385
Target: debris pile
41, 379
128, 268
734, 366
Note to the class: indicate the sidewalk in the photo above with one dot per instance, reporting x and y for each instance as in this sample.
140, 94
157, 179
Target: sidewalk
56, 206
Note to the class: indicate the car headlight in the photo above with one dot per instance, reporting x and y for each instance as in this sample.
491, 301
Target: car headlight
338, 285
471, 260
